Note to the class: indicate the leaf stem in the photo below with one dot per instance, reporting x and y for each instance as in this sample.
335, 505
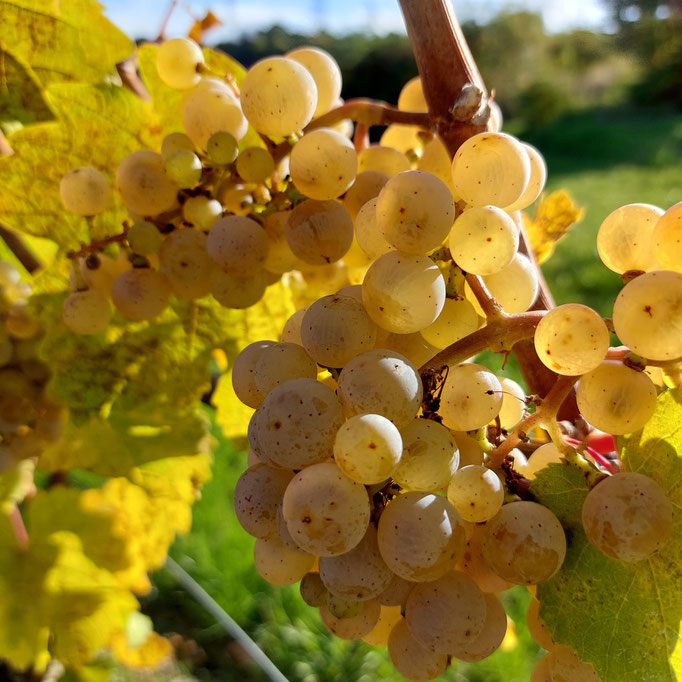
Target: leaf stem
20, 533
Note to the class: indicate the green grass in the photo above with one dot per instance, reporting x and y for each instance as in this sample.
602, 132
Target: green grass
604, 159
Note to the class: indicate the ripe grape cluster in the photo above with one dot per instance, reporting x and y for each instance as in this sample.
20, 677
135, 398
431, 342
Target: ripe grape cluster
28, 418
394, 494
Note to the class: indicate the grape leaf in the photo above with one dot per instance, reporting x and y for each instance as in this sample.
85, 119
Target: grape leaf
63, 40
554, 216
98, 126
624, 618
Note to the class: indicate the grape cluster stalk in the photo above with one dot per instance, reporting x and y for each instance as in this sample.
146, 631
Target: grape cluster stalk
387, 472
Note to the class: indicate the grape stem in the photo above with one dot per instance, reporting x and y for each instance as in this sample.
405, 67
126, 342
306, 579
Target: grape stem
127, 72
489, 305
545, 416
499, 335
369, 112
98, 245
361, 137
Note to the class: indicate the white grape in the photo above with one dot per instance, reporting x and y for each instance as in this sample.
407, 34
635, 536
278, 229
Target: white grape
281, 362
144, 186
85, 191
536, 183
278, 564
237, 244
237, 290
325, 72
184, 261
476, 492
367, 186
244, 374
666, 237
471, 397
141, 294
177, 61
413, 661
457, 320
86, 312
513, 403
386, 160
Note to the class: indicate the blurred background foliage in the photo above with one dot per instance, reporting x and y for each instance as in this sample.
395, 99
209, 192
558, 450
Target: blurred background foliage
604, 109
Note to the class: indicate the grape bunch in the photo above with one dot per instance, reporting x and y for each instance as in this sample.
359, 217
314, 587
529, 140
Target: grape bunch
394, 486
213, 215
28, 418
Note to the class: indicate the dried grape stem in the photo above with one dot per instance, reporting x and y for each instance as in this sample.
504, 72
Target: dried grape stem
18, 527
98, 245
127, 71
499, 335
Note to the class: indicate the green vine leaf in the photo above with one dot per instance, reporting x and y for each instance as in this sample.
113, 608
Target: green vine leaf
624, 618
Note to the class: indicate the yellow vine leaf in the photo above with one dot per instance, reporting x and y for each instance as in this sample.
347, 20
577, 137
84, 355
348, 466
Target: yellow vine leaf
75, 605
555, 214
152, 653
52, 41
200, 26
98, 126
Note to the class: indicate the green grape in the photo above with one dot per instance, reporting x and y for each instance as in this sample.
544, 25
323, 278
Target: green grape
564, 666
355, 627
313, 591
278, 96
411, 97
184, 168
647, 315
667, 240
483, 240
299, 422
491, 169
403, 293
396, 592
368, 448
237, 290
144, 186
325, 72
278, 564
335, 329
244, 374
209, 109
515, 287
257, 496
144, 238
490, 638
473, 563
326, 513
184, 261
319, 232
421, 536
536, 183
177, 61
457, 320
524, 543
471, 397
628, 516
436, 160
323, 164
403, 137
291, 332
413, 661
389, 617
476, 492
358, 575
201, 211
280, 258
141, 294
415, 212
20, 323
571, 339
237, 244
85, 191
281, 362
615, 398
236, 199
536, 626
174, 142
86, 313
367, 233
430, 457
386, 160
222, 148
625, 238
367, 186
513, 403
381, 382
255, 164
447, 614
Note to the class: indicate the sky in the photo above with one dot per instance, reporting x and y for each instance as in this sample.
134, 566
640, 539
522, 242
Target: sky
142, 18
